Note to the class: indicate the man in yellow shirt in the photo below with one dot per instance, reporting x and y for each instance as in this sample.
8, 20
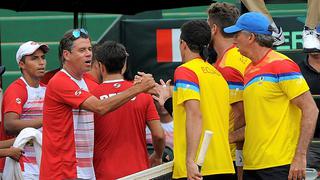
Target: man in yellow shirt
200, 102
280, 112
231, 65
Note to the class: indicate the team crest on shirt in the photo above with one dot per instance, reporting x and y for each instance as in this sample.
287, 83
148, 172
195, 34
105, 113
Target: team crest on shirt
117, 85
78, 92
261, 80
18, 100
243, 60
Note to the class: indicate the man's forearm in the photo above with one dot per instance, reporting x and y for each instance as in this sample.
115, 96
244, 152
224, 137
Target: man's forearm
158, 145
14, 126
4, 152
6, 143
308, 122
194, 129
237, 136
114, 102
111, 103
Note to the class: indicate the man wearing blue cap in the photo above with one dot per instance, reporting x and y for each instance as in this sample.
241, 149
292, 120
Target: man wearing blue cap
277, 103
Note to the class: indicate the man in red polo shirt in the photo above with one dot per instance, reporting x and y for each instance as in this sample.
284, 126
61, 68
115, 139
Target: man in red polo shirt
120, 136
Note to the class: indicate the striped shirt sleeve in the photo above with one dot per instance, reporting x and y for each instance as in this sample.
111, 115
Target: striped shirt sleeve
186, 85
235, 83
290, 79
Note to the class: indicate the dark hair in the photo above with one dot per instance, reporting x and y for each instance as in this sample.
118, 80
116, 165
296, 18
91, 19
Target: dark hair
23, 59
212, 57
66, 43
112, 55
95, 49
223, 15
264, 40
197, 35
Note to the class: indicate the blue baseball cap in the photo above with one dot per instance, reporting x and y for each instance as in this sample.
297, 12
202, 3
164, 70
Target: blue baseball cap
254, 22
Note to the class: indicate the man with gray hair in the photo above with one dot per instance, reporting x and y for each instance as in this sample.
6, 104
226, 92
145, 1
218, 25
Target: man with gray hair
280, 112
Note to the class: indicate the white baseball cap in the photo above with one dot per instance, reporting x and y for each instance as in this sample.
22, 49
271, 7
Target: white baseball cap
29, 48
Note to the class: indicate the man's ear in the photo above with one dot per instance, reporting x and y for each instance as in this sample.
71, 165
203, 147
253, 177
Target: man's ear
251, 38
21, 64
66, 54
214, 29
102, 68
184, 44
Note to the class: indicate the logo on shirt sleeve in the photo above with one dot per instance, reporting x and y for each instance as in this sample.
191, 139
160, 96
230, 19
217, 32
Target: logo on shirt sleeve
117, 85
18, 100
78, 92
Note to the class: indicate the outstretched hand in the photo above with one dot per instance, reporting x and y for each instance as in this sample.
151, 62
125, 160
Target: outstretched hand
163, 91
145, 82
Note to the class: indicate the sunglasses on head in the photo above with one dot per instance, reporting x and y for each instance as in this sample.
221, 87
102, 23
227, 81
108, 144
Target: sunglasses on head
77, 32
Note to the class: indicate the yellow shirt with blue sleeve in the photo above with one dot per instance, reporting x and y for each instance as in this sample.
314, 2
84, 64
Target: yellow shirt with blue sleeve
272, 121
199, 80
232, 66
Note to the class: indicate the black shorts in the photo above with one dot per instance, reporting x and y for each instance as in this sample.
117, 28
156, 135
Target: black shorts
274, 173
221, 176
216, 177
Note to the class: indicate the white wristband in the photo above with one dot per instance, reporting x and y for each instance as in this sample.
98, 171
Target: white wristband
239, 158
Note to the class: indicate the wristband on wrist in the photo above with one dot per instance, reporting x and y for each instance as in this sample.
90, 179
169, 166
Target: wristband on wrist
239, 158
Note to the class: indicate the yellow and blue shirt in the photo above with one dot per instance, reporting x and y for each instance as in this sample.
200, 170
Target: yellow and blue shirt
199, 80
272, 121
232, 66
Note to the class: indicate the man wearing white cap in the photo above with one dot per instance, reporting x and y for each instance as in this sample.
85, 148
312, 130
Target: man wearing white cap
23, 101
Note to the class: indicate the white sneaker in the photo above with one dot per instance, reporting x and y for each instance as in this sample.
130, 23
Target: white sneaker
311, 43
278, 37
